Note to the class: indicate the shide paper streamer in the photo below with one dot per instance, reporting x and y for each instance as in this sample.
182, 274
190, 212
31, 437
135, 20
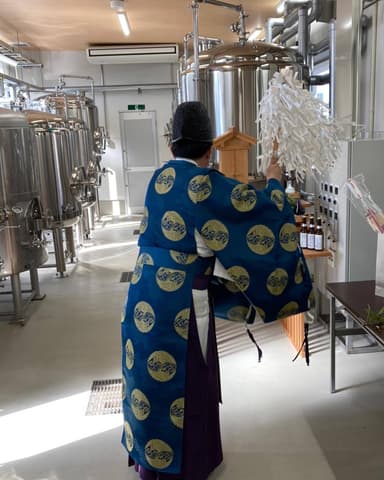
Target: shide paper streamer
308, 139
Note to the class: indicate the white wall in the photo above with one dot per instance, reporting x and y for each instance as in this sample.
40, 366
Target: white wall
155, 99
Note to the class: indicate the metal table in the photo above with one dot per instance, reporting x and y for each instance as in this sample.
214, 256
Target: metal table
355, 297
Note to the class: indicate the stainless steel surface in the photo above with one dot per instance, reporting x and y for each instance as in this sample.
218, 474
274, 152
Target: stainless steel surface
70, 243
56, 164
59, 251
233, 80
332, 65
269, 24
84, 77
21, 245
196, 67
77, 107
302, 33
17, 296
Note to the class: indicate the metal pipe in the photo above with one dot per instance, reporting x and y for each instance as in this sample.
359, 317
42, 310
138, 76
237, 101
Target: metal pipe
302, 33
196, 66
85, 77
104, 102
17, 81
321, 46
59, 251
219, 3
126, 87
202, 40
356, 64
186, 39
242, 31
291, 19
319, 79
269, 24
332, 66
372, 95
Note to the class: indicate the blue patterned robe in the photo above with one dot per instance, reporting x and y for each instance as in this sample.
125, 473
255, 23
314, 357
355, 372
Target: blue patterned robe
254, 236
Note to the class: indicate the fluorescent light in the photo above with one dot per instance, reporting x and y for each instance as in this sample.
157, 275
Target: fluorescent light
280, 7
9, 61
255, 34
123, 19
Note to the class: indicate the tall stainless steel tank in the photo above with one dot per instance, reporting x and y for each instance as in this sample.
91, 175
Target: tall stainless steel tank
59, 188
21, 246
77, 107
53, 150
233, 79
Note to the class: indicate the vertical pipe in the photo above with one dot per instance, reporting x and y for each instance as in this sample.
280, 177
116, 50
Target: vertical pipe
243, 31
332, 66
59, 251
303, 33
372, 93
332, 339
17, 297
356, 64
196, 76
185, 53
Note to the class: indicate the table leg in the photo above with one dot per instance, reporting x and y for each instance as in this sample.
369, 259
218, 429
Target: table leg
332, 337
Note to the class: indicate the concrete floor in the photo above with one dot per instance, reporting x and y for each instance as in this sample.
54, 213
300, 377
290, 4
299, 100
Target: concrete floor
279, 421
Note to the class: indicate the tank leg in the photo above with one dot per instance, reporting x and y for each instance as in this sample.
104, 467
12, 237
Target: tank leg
59, 251
70, 241
37, 295
85, 221
17, 299
91, 214
97, 206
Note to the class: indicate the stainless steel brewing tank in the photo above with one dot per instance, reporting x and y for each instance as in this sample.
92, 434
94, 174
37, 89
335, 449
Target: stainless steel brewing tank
53, 150
21, 246
233, 80
85, 172
77, 107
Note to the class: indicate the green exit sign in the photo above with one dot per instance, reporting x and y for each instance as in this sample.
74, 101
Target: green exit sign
136, 107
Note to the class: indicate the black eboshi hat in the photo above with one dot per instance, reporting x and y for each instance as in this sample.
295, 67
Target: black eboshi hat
191, 122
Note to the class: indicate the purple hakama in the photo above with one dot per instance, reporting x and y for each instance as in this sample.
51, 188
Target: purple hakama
202, 451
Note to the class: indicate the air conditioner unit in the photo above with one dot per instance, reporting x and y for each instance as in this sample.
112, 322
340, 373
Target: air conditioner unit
158, 53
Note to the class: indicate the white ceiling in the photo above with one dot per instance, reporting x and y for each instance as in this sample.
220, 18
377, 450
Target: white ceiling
75, 24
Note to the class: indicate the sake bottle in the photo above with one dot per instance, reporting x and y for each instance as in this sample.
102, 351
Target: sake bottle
311, 233
319, 236
304, 235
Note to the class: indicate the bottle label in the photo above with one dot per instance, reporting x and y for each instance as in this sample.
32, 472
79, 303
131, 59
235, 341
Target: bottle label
311, 241
319, 242
303, 240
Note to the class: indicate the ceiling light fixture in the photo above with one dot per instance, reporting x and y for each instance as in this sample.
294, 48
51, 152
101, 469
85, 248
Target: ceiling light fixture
255, 34
118, 6
123, 19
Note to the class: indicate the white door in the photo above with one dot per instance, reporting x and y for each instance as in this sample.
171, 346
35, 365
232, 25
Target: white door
140, 156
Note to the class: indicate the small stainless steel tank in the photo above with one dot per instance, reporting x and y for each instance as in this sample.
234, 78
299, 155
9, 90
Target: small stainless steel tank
233, 79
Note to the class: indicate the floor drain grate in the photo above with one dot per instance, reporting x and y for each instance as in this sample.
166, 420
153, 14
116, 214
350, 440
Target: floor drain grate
105, 397
126, 277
